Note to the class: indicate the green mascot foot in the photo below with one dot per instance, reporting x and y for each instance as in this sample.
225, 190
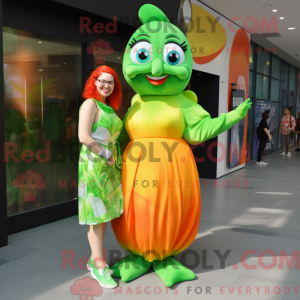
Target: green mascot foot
130, 267
171, 271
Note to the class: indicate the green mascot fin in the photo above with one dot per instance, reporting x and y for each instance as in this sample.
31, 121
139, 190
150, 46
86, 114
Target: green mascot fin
134, 98
190, 95
149, 13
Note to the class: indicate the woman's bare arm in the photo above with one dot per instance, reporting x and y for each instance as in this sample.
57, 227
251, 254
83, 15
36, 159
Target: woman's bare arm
86, 119
293, 121
280, 125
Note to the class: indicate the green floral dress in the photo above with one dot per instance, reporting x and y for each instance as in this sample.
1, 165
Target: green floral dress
100, 197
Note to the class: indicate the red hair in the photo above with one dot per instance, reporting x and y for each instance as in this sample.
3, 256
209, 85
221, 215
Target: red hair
90, 90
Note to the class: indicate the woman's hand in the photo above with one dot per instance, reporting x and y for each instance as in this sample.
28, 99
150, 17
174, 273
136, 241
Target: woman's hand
111, 161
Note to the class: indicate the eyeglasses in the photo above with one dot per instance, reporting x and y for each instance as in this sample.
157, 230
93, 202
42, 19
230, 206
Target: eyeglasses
104, 82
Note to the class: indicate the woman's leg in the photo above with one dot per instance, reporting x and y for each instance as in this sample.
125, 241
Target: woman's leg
289, 145
284, 142
95, 237
262, 146
103, 228
260, 151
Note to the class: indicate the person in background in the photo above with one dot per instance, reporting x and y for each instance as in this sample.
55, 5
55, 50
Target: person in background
287, 124
297, 130
263, 136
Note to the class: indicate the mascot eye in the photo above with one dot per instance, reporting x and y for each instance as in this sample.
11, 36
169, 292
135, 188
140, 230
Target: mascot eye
141, 53
173, 54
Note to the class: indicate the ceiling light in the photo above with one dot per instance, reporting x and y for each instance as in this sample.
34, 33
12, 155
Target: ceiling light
291, 28
119, 57
281, 18
267, 5
274, 10
39, 42
26, 59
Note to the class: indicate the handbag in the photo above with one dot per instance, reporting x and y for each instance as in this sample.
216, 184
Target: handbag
292, 133
119, 160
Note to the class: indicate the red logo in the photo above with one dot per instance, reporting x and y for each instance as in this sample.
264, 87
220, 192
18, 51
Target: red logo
86, 288
100, 49
29, 182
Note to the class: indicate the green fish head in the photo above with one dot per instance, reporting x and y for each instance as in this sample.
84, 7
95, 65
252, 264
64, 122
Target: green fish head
158, 58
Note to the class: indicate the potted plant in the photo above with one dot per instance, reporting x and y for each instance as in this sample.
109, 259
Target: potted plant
54, 128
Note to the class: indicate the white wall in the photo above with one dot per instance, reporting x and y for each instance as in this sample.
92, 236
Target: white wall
220, 66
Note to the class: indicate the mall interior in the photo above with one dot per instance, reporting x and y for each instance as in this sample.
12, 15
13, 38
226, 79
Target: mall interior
247, 244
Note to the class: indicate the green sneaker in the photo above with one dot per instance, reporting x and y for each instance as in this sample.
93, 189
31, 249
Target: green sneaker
103, 277
89, 266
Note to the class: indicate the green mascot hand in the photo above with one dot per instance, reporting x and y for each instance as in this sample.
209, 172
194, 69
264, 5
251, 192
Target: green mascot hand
242, 109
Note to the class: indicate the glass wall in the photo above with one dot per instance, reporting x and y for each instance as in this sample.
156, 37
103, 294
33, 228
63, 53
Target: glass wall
250, 95
272, 85
298, 95
42, 79
292, 99
297, 115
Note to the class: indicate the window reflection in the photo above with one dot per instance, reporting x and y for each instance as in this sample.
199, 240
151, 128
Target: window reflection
262, 87
263, 63
42, 79
298, 94
251, 57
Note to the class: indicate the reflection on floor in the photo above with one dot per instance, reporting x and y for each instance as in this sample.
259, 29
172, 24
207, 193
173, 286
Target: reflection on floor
247, 234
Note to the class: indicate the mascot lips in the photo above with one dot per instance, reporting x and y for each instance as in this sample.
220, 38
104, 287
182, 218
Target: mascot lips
157, 80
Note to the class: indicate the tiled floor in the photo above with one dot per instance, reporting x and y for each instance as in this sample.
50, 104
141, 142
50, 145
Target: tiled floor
261, 214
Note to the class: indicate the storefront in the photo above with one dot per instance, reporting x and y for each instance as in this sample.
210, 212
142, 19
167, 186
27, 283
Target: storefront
46, 61
272, 85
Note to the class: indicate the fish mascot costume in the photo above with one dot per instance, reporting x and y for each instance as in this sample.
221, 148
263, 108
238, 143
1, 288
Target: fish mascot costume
160, 182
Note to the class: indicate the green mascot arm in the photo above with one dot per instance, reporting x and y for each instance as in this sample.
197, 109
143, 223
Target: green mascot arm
201, 127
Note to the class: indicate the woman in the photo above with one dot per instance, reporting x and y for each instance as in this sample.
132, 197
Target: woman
99, 179
263, 136
287, 124
297, 130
